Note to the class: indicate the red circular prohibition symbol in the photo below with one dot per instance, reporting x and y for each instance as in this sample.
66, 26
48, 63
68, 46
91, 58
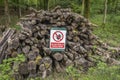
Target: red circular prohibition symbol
58, 36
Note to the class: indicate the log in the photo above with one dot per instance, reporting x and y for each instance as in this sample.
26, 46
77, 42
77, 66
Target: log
4, 43
58, 67
58, 56
22, 36
31, 56
68, 63
14, 43
81, 62
47, 62
29, 41
47, 50
26, 49
69, 55
23, 68
17, 76
14, 54
42, 68
32, 68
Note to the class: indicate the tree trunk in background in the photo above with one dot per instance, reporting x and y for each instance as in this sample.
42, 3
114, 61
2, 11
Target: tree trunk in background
15, 7
83, 2
86, 8
40, 4
55, 2
7, 15
46, 4
116, 6
105, 12
36, 4
19, 9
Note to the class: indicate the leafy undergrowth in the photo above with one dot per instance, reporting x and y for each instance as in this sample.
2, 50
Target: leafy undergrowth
110, 33
101, 72
6, 72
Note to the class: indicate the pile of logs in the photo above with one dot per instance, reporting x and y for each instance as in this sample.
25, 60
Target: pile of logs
34, 37
4, 43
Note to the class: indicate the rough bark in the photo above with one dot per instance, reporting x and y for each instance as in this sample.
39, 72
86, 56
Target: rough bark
7, 15
87, 9
105, 12
4, 43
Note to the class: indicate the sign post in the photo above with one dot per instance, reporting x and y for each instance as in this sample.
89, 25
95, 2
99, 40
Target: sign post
57, 39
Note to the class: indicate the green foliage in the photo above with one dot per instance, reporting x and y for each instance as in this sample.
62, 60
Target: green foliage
72, 72
16, 27
111, 32
97, 7
6, 70
103, 72
64, 3
76, 8
17, 3
1, 2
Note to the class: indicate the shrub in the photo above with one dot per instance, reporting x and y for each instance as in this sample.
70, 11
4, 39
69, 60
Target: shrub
6, 70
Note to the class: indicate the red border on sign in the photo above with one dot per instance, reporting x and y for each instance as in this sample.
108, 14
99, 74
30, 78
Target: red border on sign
57, 45
56, 34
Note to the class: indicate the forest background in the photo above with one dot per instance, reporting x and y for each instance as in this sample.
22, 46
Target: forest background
104, 14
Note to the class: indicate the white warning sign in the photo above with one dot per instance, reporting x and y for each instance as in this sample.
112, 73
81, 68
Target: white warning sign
57, 38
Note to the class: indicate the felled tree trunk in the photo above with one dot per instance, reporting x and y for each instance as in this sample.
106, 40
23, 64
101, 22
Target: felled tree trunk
4, 43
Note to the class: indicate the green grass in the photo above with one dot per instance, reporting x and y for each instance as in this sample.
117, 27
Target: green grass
110, 33
101, 72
